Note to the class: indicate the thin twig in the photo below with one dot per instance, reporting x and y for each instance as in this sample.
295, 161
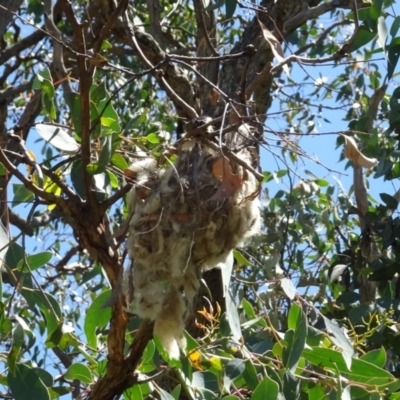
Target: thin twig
85, 83
227, 152
190, 111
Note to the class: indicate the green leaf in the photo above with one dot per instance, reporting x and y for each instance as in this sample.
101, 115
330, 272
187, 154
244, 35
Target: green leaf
113, 179
395, 27
104, 158
133, 393
248, 309
148, 353
106, 45
2, 170
281, 173
47, 304
164, 395
58, 391
361, 370
321, 182
267, 389
77, 178
48, 89
57, 137
267, 177
40, 78
365, 372
295, 337
62, 337
27, 331
393, 56
34, 261
176, 392
79, 371
15, 253
205, 380
317, 392
21, 194
375, 10
26, 384
119, 161
76, 112
100, 97
389, 200
327, 358
106, 121
363, 37
97, 316
240, 259
153, 138
230, 7
45, 376
290, 386
233, 369
233, 317
376, 357
250, 375
206, 394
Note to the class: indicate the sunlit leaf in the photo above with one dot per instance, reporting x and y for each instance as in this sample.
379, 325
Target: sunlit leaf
34, 261
382, 31
58, 137
233, 317
288, 288
267, 389
79, 371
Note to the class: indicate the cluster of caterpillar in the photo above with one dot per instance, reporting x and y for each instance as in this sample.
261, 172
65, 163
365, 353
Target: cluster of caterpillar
185, 217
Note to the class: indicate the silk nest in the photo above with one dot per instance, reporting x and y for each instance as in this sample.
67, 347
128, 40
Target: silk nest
186, 216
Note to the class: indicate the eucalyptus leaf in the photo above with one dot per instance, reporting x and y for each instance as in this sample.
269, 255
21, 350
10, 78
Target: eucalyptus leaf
288, 288
79, 371
58, 137
26, 384
233, 317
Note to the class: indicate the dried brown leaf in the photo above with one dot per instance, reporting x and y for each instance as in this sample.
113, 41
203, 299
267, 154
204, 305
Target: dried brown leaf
275, 46
230, 182
353, 154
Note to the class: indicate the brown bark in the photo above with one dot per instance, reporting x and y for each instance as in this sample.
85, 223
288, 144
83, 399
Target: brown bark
5, 15
207, 43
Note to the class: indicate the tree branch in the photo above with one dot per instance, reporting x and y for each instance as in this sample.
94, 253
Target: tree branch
85, 83
13, 170
314, 12
27, 227
151, 54
114, 198
7, 12
207, 42
58, 53
154, 9
11, 91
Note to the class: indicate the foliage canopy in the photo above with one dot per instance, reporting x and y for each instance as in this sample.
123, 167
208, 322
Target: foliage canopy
88, 87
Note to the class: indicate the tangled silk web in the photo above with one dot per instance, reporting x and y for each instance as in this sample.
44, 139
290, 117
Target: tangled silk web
184, 218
